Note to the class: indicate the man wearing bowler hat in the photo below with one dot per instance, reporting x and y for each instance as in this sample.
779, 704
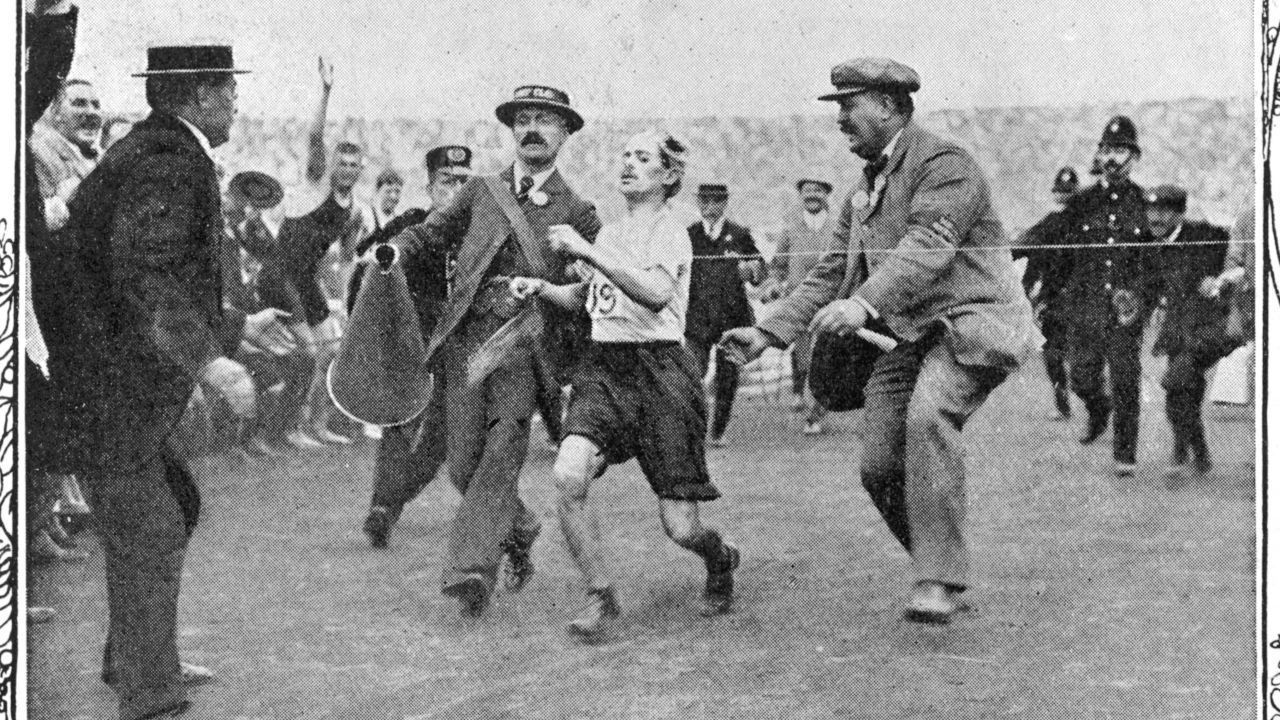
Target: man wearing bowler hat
1111, 286
147, 225
496, 227
805, 235
1043, 282
724, 257
410, 455
919, 246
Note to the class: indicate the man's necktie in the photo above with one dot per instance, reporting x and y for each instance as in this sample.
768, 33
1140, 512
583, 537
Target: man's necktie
873, 168
526, 184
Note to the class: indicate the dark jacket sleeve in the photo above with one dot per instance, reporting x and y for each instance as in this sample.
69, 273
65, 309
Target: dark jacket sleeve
301, 250
51, 44
586, 221
444, 228
154, 265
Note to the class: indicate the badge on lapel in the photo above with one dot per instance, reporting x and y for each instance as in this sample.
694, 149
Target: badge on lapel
861, 200
539, 198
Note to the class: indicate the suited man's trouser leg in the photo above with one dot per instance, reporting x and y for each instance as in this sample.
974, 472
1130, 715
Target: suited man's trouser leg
402, 469
918, 399
726, 390
1184, 383
1124, 362
144, 516
488, 437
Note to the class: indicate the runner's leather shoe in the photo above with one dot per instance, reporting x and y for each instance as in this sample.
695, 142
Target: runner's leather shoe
602, 608
717, 599
932, 603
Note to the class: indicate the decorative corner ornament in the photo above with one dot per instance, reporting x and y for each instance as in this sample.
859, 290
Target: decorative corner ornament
539, 198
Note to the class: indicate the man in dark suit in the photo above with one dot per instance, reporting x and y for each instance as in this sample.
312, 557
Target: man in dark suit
145, 233
488, 418
1194, 334
1111, 288
724, 258
919, 246
410, 455
1043, 282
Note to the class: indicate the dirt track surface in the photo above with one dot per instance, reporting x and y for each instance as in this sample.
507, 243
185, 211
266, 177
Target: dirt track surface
1094, 597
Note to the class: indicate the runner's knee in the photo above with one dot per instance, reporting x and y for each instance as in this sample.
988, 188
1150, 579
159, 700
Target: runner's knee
576, 465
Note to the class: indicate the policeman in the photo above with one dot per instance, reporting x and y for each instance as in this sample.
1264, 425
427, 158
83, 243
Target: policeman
1111, 287
410, 455
1043, 281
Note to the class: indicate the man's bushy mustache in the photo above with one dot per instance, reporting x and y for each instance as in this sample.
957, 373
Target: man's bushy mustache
533, 138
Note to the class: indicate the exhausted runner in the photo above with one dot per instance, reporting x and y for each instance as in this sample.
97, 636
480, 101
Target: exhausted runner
637, 392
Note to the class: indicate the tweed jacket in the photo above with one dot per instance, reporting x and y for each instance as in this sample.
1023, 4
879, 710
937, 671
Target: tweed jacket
474, 230
914, 282
146, 229
799, 247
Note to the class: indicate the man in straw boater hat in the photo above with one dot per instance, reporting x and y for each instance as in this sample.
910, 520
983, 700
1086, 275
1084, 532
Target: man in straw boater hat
497, 228
918, 246
147, 223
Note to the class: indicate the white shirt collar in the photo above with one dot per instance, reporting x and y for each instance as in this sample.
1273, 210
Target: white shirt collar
200, 137
892, 144
538, 178
1173, 236
713, 231
814, 221
887, 153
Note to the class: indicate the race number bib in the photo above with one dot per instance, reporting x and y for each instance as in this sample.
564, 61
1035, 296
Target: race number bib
602, 299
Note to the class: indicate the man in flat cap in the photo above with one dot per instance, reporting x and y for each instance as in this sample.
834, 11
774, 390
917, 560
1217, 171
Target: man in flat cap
1194, 334
147, 226
1110, 289
919, 246
496, 227
1043, 281
724, 258
804, 238
410, 455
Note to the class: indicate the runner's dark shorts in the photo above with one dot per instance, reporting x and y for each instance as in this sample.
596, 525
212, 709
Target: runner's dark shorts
644, 400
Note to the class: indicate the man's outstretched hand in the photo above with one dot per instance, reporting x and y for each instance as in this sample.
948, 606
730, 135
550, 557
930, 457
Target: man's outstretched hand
744, 344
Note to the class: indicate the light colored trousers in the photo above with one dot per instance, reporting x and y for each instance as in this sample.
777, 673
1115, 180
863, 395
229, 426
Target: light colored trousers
918, 399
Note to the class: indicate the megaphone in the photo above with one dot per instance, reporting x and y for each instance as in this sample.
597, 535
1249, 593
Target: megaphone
379, 375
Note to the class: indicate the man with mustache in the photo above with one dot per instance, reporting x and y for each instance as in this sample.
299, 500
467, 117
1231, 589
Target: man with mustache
803, 240
918, 245
488, 416
1111, 286
65, 144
